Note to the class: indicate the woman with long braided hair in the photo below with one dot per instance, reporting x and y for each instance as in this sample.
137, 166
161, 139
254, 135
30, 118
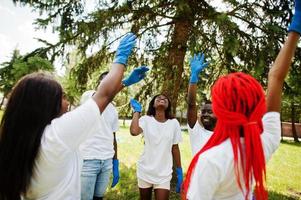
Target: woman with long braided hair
247, 132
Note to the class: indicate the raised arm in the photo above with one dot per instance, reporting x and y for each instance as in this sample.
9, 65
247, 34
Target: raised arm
111, 84
283, 61
135, 129
196, 66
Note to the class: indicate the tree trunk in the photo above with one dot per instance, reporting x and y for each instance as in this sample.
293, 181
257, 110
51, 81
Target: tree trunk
176, 56
2, 101
175, 61
293, 117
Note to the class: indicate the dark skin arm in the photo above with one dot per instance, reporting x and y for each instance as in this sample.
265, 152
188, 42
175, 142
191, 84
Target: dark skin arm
176, 155
115, 146
192, 108
109, 86
135, 128
279, 71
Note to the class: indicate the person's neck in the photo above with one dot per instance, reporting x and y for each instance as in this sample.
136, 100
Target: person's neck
160, 115
209, 128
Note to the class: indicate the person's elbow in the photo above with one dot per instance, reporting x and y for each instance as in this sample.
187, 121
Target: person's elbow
134, 131
276, 75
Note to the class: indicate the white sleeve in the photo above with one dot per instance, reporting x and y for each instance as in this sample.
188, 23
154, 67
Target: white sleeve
115, 125
177, 137
75, 126
142, 123
204, 181
271, 133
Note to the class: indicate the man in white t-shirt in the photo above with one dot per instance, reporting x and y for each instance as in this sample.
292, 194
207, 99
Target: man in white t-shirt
99, 151
200, 129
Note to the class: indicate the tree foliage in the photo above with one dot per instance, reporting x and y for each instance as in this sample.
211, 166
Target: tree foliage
18, 66
235, 35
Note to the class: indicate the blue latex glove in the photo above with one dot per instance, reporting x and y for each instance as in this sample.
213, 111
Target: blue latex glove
137, 75
196, 66
115, 172
136, 105
296, 21
179, 172
125, 48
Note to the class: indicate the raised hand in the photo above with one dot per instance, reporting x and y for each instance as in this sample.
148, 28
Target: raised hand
296, 21
136, 75
179, 172
115, 172
196, 66
136, 105
125, 48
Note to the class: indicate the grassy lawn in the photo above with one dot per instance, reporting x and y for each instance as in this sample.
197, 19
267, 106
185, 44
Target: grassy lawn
283, 171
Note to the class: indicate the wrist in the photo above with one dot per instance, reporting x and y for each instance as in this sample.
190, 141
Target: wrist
193, 79
121, 60
125, 83
295, 25
115, 161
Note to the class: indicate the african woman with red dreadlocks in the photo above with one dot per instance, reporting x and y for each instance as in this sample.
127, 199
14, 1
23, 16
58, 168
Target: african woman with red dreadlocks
246, 134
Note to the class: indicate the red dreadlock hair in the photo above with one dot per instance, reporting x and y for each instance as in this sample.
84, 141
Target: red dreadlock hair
238, 101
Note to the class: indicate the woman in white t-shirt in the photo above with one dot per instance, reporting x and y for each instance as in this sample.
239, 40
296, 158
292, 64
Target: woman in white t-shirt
247, 132
161, 134
39, 147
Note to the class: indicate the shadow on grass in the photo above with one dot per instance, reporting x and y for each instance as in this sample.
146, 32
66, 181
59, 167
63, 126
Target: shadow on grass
291, 142
278, 196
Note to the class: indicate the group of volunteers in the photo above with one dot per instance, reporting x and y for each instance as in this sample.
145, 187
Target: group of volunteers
49, 153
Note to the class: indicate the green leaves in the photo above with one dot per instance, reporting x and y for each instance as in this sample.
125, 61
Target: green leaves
19, 66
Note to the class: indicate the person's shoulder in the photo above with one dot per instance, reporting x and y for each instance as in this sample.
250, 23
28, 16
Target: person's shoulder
271, 115
86, 95
174, 120
146, 117
220, 153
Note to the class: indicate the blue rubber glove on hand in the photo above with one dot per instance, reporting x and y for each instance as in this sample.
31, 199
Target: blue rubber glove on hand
136, 105
125, 48
196, 66
137, 75
115, 172
179, 172
296, 21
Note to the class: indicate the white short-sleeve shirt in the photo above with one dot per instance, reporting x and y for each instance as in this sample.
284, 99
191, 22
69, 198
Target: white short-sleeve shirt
198, 137
155, 163
100, 144
58, 164
214, 177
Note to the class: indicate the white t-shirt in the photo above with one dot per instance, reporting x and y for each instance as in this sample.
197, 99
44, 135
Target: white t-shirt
155, 163
58, 165
214, 177
198, 137
100, 144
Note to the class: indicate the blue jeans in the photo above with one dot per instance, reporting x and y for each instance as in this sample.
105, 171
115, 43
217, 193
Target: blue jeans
95, 177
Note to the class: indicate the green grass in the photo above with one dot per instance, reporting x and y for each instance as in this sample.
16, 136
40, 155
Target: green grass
283, 170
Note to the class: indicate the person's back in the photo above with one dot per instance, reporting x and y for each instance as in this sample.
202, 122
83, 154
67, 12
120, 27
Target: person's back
39, 148
250, 123
221, 183
60, 150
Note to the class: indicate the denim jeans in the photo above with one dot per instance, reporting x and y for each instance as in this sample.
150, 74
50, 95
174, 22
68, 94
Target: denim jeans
95, 177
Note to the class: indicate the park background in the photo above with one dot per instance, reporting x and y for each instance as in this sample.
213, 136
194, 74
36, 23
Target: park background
235, 35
